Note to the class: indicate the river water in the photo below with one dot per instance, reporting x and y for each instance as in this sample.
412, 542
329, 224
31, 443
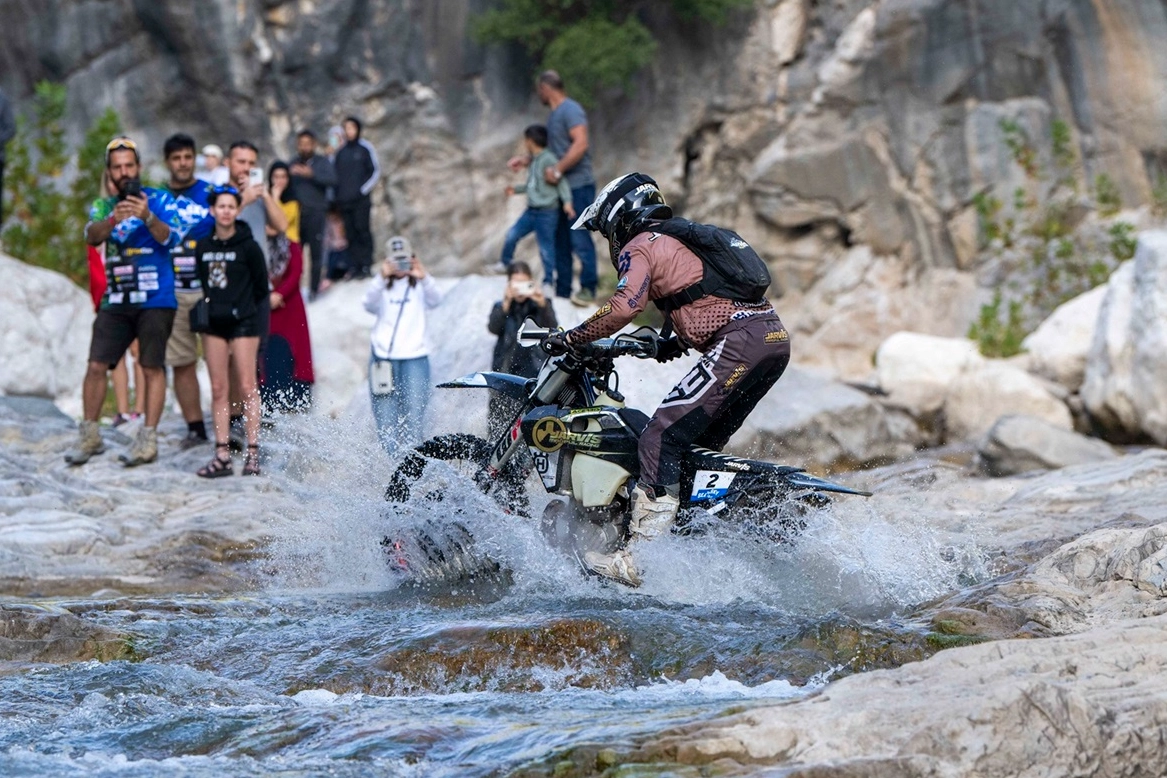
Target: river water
335, 666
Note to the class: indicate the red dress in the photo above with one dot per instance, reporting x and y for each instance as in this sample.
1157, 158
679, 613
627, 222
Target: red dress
287, 374
97, 280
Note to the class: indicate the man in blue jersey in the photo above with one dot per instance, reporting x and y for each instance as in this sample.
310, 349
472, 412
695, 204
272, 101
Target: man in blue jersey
194, 218
139, 227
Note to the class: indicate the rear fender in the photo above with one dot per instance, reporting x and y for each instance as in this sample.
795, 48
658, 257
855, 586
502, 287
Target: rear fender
511, 385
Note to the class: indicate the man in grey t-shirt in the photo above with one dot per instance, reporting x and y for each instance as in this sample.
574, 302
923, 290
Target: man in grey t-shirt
567, 138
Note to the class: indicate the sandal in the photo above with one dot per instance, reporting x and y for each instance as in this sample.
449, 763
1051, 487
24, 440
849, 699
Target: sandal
251, 463
218, 467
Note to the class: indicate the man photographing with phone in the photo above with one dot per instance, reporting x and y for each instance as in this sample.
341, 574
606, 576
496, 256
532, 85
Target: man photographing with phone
140, 226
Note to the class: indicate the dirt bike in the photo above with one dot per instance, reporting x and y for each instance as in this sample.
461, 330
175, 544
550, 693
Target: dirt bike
573, 429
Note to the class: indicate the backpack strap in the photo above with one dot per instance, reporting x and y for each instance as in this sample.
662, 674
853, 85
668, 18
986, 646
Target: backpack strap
689, 294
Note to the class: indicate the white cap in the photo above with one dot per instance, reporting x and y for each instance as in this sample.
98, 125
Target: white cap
211, 150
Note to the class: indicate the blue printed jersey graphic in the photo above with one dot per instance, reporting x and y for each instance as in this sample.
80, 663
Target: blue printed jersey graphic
194, 216
131, 241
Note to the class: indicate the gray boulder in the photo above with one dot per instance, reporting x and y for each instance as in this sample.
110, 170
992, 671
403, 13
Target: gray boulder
1019, 443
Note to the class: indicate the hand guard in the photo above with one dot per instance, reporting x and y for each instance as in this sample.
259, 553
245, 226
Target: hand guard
556, 344
668, 350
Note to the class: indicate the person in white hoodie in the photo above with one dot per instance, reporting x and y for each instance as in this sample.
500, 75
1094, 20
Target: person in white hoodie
399, 365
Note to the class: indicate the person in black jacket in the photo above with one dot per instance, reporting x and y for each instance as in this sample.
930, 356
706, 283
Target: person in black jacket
233, 273
312, 176
357, 172
522, 299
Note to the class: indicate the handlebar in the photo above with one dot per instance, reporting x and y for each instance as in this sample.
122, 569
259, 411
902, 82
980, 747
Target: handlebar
642, 344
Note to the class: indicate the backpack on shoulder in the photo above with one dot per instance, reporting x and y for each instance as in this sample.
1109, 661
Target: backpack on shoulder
733, 269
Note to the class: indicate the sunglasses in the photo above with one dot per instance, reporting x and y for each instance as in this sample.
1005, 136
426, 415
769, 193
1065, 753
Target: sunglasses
224, 189
120, 144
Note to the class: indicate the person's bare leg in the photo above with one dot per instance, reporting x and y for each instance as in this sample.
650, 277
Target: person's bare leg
120, 377
244, 351
216, 352
186, 389
139, 381
154, 396
93, 390
236, 392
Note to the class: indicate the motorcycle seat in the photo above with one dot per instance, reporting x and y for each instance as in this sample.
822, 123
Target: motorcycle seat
636, 419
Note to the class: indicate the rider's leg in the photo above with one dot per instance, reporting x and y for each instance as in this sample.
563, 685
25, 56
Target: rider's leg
708, 404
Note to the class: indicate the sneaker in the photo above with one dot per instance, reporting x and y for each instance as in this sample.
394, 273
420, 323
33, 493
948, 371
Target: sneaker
125, 418
617, 566
143, 450
548, 290
192, 440
497, 269
584, 298
89, 444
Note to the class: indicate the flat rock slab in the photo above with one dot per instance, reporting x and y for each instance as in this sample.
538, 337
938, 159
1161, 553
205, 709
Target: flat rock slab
36, 634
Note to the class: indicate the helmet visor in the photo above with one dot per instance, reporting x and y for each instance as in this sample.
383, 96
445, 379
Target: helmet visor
587, 219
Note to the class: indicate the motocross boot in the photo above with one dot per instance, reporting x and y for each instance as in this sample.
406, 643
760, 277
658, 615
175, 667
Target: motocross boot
652, 515
89, 443
144, 448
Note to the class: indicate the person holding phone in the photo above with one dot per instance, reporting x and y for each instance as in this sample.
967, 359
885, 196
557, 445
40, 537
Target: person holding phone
399, 366
139, 227
521, 299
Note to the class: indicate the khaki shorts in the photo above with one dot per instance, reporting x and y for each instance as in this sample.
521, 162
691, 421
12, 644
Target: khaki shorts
183, 347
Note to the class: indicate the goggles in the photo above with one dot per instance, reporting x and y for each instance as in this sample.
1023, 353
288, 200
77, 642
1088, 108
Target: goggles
225, 189
120, 143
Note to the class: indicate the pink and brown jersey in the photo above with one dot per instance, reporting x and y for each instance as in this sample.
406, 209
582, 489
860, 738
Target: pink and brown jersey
653, 266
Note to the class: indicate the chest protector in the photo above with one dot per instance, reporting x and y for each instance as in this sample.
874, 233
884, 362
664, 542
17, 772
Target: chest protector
732, 269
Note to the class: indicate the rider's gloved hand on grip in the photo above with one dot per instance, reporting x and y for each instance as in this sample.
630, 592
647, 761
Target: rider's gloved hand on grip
667, 350
556, 344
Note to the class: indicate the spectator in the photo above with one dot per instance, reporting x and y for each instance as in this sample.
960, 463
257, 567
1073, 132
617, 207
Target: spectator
567, 138
522, 299
138, 303
234, 277
357, 172
182, 350
7, 133
312, 176
119, 376
399, 366
260, 210
543, 205
214, 172
336, 246
287, 360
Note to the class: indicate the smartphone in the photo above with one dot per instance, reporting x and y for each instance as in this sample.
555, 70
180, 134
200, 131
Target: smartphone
131, 188
523, 288
402, 263
255, 176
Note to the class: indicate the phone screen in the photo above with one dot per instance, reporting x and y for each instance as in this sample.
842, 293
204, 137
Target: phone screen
255, 176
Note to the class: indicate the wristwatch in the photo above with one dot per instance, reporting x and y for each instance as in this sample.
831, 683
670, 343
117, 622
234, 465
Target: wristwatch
149, 218
558, 174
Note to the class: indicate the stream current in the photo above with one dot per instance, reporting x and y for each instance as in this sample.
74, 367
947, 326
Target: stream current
332, 665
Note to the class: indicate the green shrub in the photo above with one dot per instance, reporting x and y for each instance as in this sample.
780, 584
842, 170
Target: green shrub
988, 228
48, 214
1106, 195
1122, 241
997, 338
594, 45
1024, 154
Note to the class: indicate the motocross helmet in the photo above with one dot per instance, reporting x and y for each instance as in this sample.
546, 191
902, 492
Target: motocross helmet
624, 209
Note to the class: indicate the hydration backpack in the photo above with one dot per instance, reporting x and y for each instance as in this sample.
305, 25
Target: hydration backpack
733, 270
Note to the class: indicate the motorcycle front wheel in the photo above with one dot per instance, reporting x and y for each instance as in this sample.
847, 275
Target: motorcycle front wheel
468, 454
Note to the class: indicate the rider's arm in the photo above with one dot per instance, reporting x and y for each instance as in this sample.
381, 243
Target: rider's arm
626, 304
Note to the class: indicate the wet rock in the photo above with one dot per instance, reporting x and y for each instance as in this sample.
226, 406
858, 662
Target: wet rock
33, 634
44, 333
1127, 367
554, 655
1058, 348
1017, 444
1063, 703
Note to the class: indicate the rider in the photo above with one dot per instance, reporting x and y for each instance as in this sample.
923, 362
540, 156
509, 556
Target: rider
744, 349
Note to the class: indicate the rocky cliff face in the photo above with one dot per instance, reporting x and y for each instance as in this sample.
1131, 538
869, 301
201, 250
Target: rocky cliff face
846, 139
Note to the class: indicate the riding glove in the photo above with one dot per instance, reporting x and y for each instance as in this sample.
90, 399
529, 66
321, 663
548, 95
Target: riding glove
667, 350
556, 344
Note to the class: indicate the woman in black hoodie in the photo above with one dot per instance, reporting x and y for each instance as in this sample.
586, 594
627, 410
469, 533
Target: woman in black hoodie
234, 277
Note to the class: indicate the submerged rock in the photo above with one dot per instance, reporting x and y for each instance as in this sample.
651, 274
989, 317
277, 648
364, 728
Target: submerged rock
31, 634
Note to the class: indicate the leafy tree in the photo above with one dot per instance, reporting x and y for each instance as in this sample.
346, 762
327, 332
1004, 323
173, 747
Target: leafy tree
594, 44
48, 214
